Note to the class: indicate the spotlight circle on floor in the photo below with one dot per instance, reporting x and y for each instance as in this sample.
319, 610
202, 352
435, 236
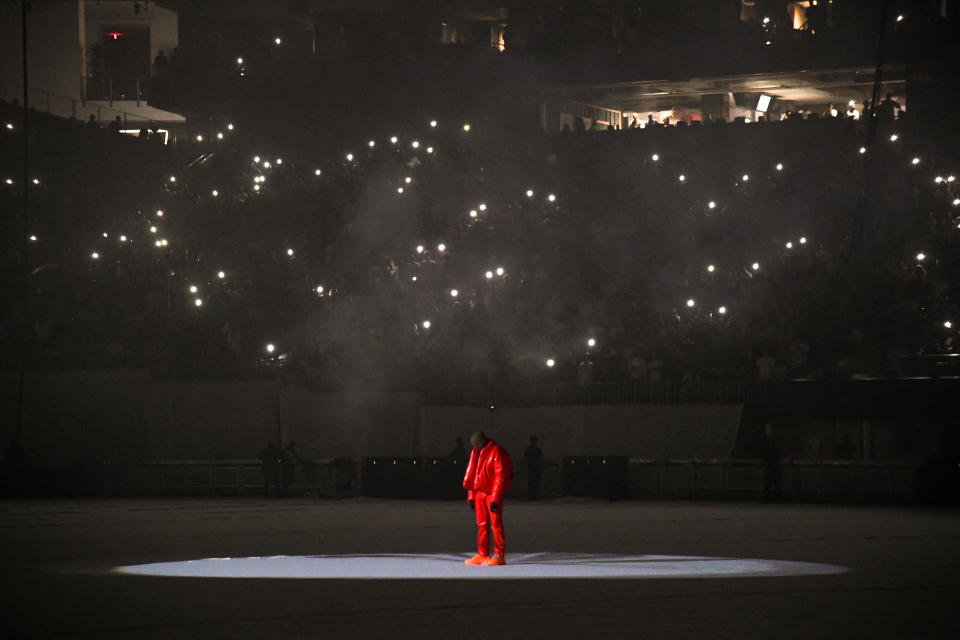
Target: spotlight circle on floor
450, 566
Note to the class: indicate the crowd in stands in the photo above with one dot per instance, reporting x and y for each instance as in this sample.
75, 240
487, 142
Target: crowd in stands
445, 251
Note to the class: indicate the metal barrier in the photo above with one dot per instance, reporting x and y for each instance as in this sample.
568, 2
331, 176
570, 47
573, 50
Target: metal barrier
314, 478
726, 479
800, 480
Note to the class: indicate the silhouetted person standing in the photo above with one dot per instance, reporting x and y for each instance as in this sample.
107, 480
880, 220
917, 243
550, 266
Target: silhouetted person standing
533, 459
772, 472
459, 452
270, 466
488, 478
288, 467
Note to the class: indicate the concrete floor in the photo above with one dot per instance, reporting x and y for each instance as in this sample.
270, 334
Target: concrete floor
903, 579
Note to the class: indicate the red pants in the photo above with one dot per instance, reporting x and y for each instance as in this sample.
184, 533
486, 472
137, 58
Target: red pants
493, 520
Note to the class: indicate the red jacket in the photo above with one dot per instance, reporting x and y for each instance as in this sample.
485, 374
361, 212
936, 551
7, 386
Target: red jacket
490, 470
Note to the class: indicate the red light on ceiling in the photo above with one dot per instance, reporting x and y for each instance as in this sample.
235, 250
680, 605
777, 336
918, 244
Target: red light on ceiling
115, 34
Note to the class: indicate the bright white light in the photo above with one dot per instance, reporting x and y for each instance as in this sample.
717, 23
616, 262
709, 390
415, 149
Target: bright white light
239, 60
408, 179
466, 127
482, 207
915, 161
433, 123
551, 197
399, 189
349, 157
317, 172
425, 324
591, 342
290, 252
454, 293
160, 213
95, 255
215, 193
153, 229
499, 271
198, 302
948, 324
157, 243
441, 247
921, 256
106, 235
256, 159
413, 278
36, 181
34, 239
894, 137
277, 41
789, 245
488, 275
550, 362
766, 21
123, 238
803, 240
900, 18
199, 138
219, 135
681, 177
938, 179
710, 268
956, 202
529, 193
745, 177
779, 166
768, 43
834, 111
863, 150
230, 127
320, 289
221, 275
415, 144
951, 178
193, 288
270, 348
9, 181
371, 143
419, 248
712, 205
429, 149
691, 302
655, 157
722, 310
473, 213
852, 103
10, 125
163, 242
279, 161
393, 139
447, 566
755, 266
256, 187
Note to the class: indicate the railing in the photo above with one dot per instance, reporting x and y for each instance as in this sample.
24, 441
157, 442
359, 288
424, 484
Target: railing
723, 479
801, 480
530, 393
316, 478
66, 107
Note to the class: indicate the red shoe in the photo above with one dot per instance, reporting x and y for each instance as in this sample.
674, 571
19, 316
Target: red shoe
477, 559
495, 561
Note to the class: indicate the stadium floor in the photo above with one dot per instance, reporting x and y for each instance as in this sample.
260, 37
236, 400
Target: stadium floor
301, 568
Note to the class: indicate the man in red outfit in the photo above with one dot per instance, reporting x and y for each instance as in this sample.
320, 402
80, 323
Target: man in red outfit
489, 476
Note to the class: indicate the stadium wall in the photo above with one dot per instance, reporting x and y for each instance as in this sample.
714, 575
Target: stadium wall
82, 418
